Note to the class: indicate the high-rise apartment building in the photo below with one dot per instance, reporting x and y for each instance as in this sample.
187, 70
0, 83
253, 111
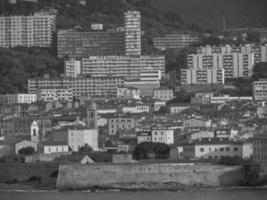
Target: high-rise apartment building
260, 51
194, 76
174, 41
132, 25
80, 44
35, 30
81, 86
235, 65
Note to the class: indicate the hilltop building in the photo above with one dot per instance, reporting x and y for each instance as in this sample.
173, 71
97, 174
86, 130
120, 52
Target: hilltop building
27, 31
174, 41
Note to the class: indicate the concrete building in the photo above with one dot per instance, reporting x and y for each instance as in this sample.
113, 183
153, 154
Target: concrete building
235, 65
120, 123
260, 151
197, 122
174, 41
148, 82
17, 99
193, 76
21, 126
129, 67
144, 136
80, 137
179, 108
224, 99
55, 94
128, 93
27, 31
81, 44
202, 98
132, 25
216, 148
260, 90
81, 86
72, 68
54, 147
146, 87
163, 94
138, 108
158, 105
162, 135
260, 51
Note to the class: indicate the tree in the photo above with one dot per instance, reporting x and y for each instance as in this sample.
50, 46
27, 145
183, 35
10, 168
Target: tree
86, 149
260, 70
143, 150
26, 151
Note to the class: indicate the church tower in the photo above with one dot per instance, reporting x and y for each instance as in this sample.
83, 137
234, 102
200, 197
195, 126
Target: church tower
35, 137
92, 115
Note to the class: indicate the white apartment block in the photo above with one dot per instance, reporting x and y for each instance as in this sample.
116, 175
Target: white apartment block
235, 65
50, 147
72, 68
162, 135
174, 41
18, 98
194, 76
80, 137
81, 86
55, 94
216, 148
260, 51
35, 30
260, 90
132, 24
128, 93
163, 94
136, 109
224, 99
129, 67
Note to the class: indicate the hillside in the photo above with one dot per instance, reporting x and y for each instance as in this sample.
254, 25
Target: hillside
209, 13
19, 64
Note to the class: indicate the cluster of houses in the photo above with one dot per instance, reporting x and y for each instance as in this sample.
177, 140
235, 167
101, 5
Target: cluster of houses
203, 129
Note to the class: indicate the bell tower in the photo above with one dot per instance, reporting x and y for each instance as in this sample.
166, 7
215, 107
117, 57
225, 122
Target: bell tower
92, 115
35, 137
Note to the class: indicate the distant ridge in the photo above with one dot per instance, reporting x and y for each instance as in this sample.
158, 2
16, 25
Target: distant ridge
210, 13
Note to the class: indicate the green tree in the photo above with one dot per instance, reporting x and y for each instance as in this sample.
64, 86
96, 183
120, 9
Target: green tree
26, 151
143, 150
86, 149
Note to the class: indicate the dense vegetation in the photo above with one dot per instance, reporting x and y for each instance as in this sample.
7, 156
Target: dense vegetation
145, 150
19, 64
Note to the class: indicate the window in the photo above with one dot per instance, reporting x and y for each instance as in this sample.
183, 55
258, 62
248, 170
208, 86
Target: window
221, 149
235, 148
202, 149
227, 149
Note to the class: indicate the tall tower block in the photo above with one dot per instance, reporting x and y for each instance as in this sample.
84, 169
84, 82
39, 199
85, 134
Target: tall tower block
132, 24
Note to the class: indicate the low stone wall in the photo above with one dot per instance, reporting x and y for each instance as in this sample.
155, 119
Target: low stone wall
144, 176
23, 172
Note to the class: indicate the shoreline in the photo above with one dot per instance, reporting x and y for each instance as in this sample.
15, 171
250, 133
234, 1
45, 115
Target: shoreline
20, 187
